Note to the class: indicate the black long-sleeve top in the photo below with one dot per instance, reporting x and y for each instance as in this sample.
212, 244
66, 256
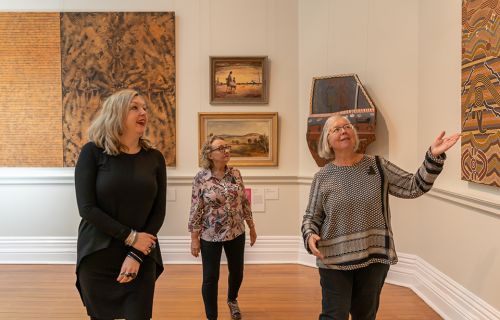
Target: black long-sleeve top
116, 194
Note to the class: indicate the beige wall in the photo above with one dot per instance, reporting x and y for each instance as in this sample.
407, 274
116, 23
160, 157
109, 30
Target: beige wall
460, 241
407, 54
236, 28
203, 28
378, 40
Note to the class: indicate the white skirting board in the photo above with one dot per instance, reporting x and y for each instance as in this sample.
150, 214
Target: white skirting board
443, 294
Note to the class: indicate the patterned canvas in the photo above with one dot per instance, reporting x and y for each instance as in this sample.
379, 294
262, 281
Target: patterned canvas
480, 91
104, 52
30, 90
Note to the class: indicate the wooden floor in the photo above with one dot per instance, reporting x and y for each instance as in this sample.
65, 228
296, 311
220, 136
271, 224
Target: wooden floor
281, 292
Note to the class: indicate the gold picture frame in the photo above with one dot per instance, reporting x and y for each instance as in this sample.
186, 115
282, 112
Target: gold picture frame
239, 80
253, 136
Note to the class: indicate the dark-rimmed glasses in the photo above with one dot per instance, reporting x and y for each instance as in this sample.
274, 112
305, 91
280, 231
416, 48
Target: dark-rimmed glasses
223, 148
345, 127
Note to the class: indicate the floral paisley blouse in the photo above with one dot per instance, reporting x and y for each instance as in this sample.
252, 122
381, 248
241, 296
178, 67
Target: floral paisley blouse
219, 207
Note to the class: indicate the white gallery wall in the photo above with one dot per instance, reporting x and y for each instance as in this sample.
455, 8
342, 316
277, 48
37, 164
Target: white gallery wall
378, 40
459, 236
203, 29
407, 54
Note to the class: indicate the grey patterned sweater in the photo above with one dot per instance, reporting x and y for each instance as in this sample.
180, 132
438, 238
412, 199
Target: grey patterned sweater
349, 209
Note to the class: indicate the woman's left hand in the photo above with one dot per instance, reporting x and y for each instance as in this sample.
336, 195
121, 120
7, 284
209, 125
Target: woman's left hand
253, 236
145, 242
442, 143
129, 270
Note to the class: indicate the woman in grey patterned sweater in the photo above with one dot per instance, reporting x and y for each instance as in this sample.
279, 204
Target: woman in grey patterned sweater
347, 221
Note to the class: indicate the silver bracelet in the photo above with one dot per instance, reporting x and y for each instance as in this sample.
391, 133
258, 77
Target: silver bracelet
132, 237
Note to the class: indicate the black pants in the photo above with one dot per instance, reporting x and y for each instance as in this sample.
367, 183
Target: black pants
210, 256
356, 292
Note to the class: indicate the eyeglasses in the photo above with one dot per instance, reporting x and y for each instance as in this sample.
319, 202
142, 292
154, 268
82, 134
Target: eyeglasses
223, 148
345, 127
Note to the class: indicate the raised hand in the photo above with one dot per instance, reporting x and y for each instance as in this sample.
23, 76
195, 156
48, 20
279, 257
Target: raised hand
442, 143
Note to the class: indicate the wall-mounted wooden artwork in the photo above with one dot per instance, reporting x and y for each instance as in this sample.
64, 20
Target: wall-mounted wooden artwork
59, 67
480, 92
342, 95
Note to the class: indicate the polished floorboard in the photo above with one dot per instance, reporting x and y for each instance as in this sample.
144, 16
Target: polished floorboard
281, 292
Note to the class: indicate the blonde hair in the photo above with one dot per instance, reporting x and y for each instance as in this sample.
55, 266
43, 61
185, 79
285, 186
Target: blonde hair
325, 151
106, 129
206, 148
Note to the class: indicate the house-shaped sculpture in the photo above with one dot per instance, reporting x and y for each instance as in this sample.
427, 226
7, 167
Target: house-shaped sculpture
343, 95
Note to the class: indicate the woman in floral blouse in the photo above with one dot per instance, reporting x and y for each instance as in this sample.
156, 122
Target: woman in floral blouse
219, 207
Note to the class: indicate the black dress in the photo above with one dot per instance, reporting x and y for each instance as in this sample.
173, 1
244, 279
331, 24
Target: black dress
116, 194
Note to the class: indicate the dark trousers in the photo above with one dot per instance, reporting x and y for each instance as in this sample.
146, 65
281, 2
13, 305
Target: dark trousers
356, 292
210, 256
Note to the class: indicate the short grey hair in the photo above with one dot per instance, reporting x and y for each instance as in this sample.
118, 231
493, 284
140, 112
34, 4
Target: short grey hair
206, 148
325, 151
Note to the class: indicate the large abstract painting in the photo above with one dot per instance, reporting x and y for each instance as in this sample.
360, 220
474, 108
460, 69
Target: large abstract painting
480, 92
104, 52
57, 68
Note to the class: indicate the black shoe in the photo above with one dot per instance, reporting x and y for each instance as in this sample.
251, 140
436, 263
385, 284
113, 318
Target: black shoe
234, 309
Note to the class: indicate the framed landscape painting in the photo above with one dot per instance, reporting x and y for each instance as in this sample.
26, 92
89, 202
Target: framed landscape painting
239, 80
253, 136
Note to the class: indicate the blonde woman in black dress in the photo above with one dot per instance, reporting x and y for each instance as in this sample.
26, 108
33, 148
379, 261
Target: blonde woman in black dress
121, 192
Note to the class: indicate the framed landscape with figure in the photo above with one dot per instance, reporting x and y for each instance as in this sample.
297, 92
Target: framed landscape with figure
239, 80
253, 137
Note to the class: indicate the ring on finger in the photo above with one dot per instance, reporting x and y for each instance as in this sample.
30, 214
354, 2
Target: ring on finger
129, 274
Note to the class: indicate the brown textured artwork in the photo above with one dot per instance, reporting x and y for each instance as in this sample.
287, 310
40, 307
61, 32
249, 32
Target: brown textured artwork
480, 92
104, 52
30, 90
57, 68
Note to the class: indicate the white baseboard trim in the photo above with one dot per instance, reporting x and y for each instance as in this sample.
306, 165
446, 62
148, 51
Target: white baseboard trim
37, 250
175, 250
440, 292
267, 250
443, 294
